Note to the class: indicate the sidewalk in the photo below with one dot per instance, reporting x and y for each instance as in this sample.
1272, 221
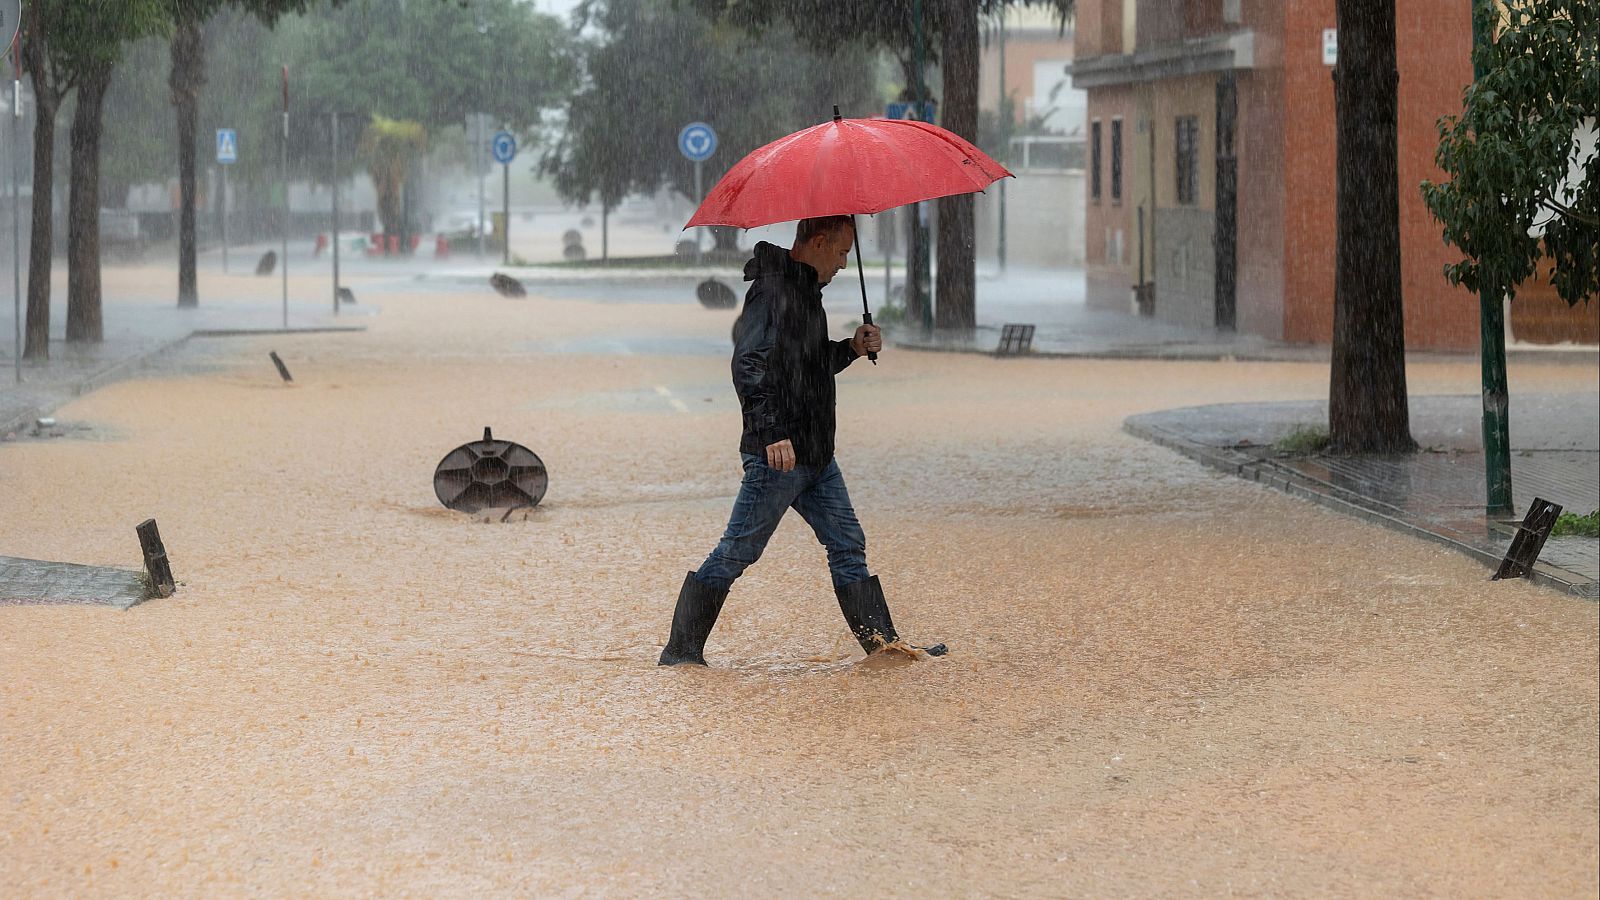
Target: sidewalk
1437, 494
29, 581
1053, 302
137, 330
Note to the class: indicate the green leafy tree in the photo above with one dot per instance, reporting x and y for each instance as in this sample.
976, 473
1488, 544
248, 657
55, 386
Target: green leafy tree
654, 67
951, 26
186, 80
596, 155
1522, 184
427, 62
72, 46
137, 146
431, 61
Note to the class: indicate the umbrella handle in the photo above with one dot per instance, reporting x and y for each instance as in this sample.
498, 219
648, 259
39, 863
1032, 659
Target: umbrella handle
866, 314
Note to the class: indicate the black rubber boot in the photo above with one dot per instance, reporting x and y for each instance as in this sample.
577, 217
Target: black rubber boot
692, 621
867, 613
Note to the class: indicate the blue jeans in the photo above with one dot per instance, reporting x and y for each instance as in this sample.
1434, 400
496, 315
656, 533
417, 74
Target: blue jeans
818, 495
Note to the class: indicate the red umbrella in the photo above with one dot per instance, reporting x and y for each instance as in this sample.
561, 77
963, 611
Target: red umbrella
845, 167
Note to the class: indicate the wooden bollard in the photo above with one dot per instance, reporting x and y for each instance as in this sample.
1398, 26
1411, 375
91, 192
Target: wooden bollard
155, 559
283, 370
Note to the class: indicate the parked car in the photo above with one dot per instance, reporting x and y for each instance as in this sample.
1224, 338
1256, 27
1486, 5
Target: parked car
464, 224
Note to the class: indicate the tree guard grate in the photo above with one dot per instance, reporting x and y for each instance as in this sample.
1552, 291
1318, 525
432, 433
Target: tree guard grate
490, 474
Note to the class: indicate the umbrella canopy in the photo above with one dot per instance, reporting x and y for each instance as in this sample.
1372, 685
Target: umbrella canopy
844, 167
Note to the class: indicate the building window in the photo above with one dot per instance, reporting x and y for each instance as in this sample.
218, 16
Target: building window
1188, 163
1116, 160
1094, 160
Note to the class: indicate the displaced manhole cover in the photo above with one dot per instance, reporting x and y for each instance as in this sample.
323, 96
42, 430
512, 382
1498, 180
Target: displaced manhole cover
490, 474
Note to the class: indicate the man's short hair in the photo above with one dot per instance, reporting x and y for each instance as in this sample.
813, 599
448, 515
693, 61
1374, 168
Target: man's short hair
821, 225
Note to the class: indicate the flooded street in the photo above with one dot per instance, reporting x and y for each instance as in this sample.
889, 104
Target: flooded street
1163, 681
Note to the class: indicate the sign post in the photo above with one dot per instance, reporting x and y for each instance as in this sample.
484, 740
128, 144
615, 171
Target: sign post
477, 163
697, 142
505, 150
227, 155
12, 11
333, 235
284, 262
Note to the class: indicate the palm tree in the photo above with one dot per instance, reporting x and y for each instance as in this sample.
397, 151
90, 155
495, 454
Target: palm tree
388, 148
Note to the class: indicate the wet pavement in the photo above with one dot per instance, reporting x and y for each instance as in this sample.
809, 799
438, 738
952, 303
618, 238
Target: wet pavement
41, 581
141, 322
1065, 327
1164, 681
1438, 492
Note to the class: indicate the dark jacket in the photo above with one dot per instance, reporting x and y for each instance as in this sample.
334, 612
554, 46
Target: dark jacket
783, 362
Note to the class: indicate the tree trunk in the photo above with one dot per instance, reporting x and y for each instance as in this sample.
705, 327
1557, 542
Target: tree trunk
84, 321
916, 293
387, 187
1367, 411
185, 81
47, 101
956, 281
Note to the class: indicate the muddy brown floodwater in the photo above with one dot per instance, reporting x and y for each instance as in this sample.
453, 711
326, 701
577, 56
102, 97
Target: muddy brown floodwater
1164, 681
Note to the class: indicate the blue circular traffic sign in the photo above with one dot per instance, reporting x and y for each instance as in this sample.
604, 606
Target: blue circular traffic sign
697, 141
504, 147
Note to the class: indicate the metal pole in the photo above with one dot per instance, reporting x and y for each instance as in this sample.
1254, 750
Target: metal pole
16, 218
505, 203
1005, 140
918, 223
1492, 346
477, 161
888, 252
285, 154
333, 236
699, 198
224, 222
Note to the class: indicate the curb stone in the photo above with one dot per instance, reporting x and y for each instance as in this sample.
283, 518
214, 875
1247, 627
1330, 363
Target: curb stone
91, 382
1297, 485
118, 370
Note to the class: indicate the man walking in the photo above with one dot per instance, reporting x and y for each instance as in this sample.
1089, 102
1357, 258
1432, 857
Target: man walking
783, 369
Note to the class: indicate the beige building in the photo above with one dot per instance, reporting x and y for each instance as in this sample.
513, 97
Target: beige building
1044, 205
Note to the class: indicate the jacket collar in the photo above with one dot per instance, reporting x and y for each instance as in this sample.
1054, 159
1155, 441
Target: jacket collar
770, 259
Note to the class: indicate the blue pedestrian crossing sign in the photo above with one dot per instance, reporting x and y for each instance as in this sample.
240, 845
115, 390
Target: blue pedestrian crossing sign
697, 141
902, 110
504, 147
227, 145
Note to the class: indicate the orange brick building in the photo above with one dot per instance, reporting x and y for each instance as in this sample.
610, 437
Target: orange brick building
1212, 149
